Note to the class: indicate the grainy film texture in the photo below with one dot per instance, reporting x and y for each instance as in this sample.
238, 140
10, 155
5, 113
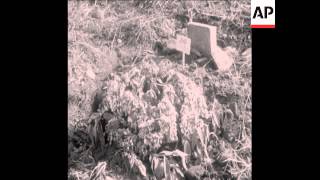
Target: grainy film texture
159, 89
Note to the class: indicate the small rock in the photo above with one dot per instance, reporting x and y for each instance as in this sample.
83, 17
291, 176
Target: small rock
91, 74
222, 59
195, 173
246, 55
107, 116
109, 178
113, 124
171, 44
231, 51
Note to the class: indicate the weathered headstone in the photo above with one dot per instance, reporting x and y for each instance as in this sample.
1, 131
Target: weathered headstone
204, 39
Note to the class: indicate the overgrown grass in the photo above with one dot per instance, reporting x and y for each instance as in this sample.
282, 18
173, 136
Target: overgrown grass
112, 33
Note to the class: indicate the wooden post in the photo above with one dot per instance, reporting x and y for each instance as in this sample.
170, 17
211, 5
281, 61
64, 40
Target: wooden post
183, 58
183, 44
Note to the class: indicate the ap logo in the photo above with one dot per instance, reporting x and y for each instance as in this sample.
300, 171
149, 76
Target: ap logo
262, 13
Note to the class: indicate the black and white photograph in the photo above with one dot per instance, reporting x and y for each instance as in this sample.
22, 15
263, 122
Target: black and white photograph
159, 89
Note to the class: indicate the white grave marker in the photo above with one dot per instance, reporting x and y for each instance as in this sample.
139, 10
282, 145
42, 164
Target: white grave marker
183, 44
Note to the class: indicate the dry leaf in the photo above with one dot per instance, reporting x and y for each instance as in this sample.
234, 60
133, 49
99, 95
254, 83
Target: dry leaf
99, 171
176, 152
246, 55
177, 170
187, 147
91, 74
139, 165
157, 166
